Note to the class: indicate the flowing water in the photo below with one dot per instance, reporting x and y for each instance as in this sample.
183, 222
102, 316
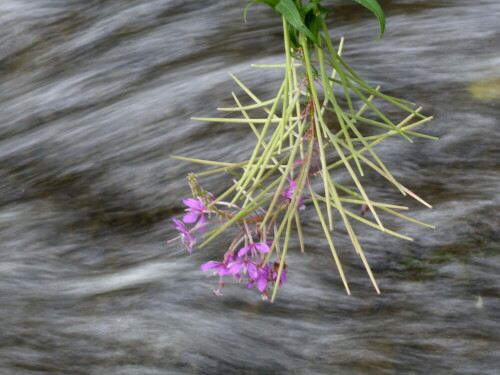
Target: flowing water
94, 97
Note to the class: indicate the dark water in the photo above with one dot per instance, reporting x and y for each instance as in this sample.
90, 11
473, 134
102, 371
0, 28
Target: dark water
96, 94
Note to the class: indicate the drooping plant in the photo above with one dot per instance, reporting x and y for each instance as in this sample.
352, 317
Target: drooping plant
296, 143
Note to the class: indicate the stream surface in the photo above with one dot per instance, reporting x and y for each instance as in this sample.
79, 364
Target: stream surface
94, 96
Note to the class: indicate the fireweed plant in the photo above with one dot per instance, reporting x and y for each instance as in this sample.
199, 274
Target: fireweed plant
296, 144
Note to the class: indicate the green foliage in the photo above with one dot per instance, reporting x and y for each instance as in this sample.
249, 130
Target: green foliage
308, 18
288, 10
374, 6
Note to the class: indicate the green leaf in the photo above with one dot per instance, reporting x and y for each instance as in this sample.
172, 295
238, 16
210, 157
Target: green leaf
306, 8
294, 41
374, 6
288, 10
314, 18
245, 10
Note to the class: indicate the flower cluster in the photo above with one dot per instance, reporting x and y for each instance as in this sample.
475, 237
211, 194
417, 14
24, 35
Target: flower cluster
246, 259
251, 267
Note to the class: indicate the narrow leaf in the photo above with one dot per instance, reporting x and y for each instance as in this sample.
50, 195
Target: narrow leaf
374, 6
288, 10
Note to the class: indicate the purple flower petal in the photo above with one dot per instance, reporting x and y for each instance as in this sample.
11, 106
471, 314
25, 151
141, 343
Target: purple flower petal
223, 270
200, 206
201, 224
243, 251
229, 258
191, 203
210, 265
283, 277
235, 267
195, 205
290, 191
274, 274
178, 224
262, 247
262, 284
188, 240
188, 244
190, 217
253, 272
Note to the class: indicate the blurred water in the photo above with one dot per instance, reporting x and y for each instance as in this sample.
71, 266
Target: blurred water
94, 96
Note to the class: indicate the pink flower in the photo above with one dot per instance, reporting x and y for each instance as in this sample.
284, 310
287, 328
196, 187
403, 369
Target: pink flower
254, 247
220, 268
290, 191
274, 273
260, 278
188, 240
196, 211
248, 266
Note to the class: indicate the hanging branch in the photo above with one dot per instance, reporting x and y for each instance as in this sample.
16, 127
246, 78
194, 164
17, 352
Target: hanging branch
296, 144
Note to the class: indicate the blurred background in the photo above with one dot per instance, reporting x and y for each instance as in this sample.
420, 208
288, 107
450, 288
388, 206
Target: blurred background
96, 94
